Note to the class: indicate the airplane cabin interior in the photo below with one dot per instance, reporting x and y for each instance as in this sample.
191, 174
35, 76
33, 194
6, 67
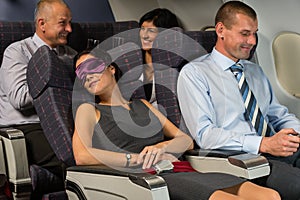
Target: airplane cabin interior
102, 22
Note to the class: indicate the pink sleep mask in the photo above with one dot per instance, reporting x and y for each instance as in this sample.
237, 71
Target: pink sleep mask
90, 66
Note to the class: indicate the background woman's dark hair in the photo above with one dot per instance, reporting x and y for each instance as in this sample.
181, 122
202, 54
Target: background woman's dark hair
161, 17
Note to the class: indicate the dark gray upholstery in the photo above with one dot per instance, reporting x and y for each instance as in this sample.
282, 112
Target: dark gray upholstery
172, 49
82, 32
13, 31
50, 82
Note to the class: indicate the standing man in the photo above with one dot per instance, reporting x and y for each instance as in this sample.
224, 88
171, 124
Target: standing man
53, 24
218, 117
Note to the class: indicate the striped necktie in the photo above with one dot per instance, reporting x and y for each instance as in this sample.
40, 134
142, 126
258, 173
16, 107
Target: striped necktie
252, 111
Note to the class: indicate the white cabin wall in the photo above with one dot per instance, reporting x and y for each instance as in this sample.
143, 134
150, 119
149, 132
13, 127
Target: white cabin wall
274, 17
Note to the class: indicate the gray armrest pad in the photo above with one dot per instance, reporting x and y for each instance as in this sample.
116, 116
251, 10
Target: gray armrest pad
213, 153
14, 148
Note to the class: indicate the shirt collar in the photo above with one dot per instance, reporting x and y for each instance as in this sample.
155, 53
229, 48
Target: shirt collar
39, 42
222, 61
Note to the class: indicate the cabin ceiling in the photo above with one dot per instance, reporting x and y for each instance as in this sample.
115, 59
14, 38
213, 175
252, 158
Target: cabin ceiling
194, 14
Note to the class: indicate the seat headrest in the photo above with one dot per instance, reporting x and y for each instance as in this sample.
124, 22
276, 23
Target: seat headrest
45, 69
77, 39
129, 59
207, 39
173, 48
98, 32
13, 31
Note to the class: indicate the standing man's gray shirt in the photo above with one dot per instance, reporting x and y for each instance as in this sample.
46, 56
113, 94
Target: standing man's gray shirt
15, 101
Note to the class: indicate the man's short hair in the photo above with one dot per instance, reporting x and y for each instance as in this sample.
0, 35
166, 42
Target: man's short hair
227, 12
43, 4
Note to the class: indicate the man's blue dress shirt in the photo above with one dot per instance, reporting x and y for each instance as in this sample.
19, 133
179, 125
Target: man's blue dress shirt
213, 108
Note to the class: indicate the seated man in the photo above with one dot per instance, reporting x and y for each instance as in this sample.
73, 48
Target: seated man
53, 24
215, 111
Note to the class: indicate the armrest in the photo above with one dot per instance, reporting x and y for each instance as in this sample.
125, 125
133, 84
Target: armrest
83, 181
2, 159
237, 163
15, 160
213, 153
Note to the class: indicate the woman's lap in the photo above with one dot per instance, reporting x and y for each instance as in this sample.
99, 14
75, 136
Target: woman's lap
194, 185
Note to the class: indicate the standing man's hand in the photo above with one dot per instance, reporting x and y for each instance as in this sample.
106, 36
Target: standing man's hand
283, 143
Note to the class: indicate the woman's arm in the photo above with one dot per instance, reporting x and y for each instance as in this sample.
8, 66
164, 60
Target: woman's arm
179, 142
84, 154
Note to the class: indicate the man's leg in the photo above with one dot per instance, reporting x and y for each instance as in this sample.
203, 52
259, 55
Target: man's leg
293, 160
284, 178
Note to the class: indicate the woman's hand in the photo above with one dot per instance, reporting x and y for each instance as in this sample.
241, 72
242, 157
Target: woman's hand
150, 155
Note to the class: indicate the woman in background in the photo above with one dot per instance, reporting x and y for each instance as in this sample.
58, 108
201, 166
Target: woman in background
150, 24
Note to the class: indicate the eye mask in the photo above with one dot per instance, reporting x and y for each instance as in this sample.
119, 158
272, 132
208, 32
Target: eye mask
90, 66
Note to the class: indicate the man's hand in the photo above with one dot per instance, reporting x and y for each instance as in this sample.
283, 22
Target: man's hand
283, 143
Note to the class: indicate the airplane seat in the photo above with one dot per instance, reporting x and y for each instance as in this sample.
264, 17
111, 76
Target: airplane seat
15, 164
208, 38
286, 50
167, 65
51, 83
109, 34
172, 49
129, 59
208, 28
47, 84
